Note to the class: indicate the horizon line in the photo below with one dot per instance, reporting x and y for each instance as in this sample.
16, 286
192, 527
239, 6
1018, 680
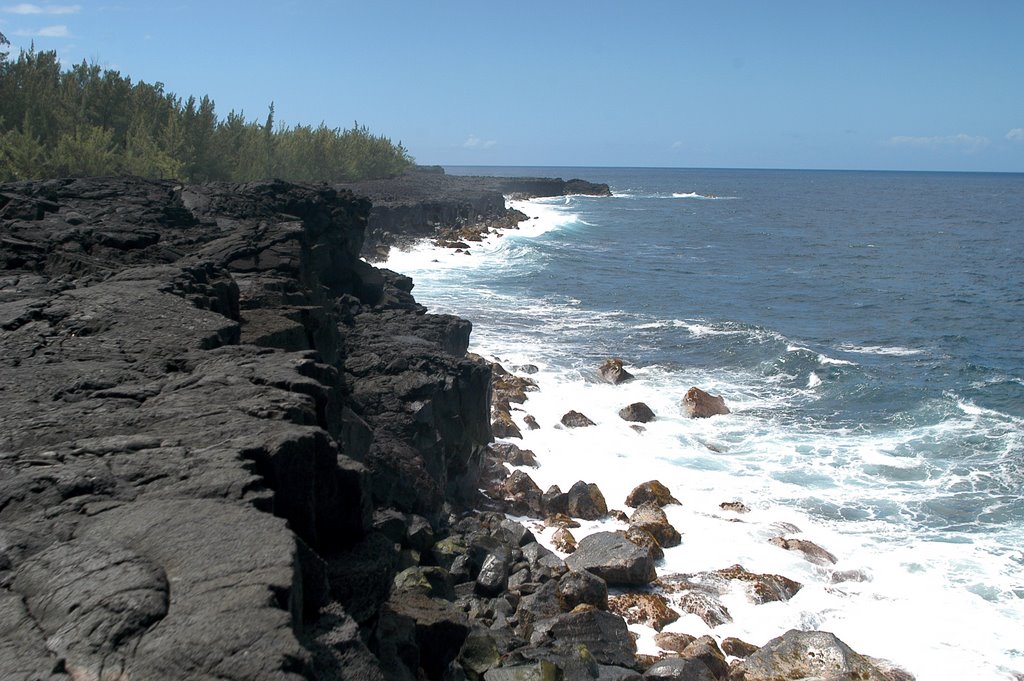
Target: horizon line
762, 168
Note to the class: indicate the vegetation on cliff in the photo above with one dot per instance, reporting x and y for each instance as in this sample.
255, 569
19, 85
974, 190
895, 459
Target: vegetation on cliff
86, 121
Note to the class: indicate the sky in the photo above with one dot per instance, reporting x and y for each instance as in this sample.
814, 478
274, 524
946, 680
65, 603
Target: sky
892, 85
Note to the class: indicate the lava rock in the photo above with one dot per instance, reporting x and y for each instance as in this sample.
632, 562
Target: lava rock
611, 371
699, 404
637, 412
614, 559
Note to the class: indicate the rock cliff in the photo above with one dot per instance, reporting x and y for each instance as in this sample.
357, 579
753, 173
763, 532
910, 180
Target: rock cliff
206, 393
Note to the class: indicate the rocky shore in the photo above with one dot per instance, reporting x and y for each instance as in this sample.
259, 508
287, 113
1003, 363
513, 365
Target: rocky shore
232, 449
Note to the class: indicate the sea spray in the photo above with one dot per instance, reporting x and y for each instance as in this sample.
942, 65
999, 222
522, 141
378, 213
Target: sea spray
837, 435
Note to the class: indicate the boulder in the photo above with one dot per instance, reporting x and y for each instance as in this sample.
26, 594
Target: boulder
502, 426
734, 506
650, 517
563, 540
521, 495
737, 647
672, 641
578, 587
586, 501
650, 491
679, 669
506, 452
531, 422
803, 654
705, 606
612, 372
493, 576
811, 551
699, 404
648, 609
644, 539
574, 419
706, 650
614, 559
605, 635
556, 502
637, 412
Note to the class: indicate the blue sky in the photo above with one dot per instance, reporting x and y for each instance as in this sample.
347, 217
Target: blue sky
826, 84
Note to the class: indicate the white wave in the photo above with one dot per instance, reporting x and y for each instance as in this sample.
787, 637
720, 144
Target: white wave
695, 195
813, 381
894, 350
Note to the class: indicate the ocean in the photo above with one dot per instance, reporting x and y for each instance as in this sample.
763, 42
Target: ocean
866, 330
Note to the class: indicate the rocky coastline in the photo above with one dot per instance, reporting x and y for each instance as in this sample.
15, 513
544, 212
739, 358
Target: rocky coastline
230, 448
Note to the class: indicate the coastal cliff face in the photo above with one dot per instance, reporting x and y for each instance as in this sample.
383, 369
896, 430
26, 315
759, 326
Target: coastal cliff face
206, 394
426, 202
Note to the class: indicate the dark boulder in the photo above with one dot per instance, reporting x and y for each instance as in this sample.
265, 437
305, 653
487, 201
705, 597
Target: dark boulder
699, 404
652, 491
803, 654
605, 635
577, 587
574, 419
650, 517
586, 501
811, 551
522, 496
648, 609
637, 412
614, 559
612, 371
679, 669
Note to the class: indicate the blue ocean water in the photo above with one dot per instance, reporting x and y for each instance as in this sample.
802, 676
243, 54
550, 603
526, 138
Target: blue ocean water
866, 329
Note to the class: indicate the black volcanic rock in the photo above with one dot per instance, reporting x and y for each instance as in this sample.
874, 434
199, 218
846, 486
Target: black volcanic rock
147, 452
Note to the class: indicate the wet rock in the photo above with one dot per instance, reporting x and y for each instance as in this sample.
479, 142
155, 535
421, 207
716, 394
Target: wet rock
504, 427
699, 404
649, 609
811, 551
563, 540
574, 419
679, 669
734, 506
612, 371
506, 452
673, 642
556, 502
803, 654
650, 491
736, 647
840, 576
706, 650
646, 540
650, 517
560, 520
613, 558
531, 422
522, 495
705, 606
586, 501
637, 412
765, 588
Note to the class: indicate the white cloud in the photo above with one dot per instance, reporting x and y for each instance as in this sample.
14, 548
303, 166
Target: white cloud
46, 32
1016, 135
968, 143
28, 8
474, 142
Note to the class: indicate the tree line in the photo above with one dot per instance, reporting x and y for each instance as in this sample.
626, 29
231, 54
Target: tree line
87, 121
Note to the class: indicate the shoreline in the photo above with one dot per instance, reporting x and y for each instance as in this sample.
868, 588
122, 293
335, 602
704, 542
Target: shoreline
215, 364
773, 563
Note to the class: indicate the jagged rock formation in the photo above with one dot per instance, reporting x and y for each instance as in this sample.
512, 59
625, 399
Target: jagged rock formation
426, 202
181, 365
